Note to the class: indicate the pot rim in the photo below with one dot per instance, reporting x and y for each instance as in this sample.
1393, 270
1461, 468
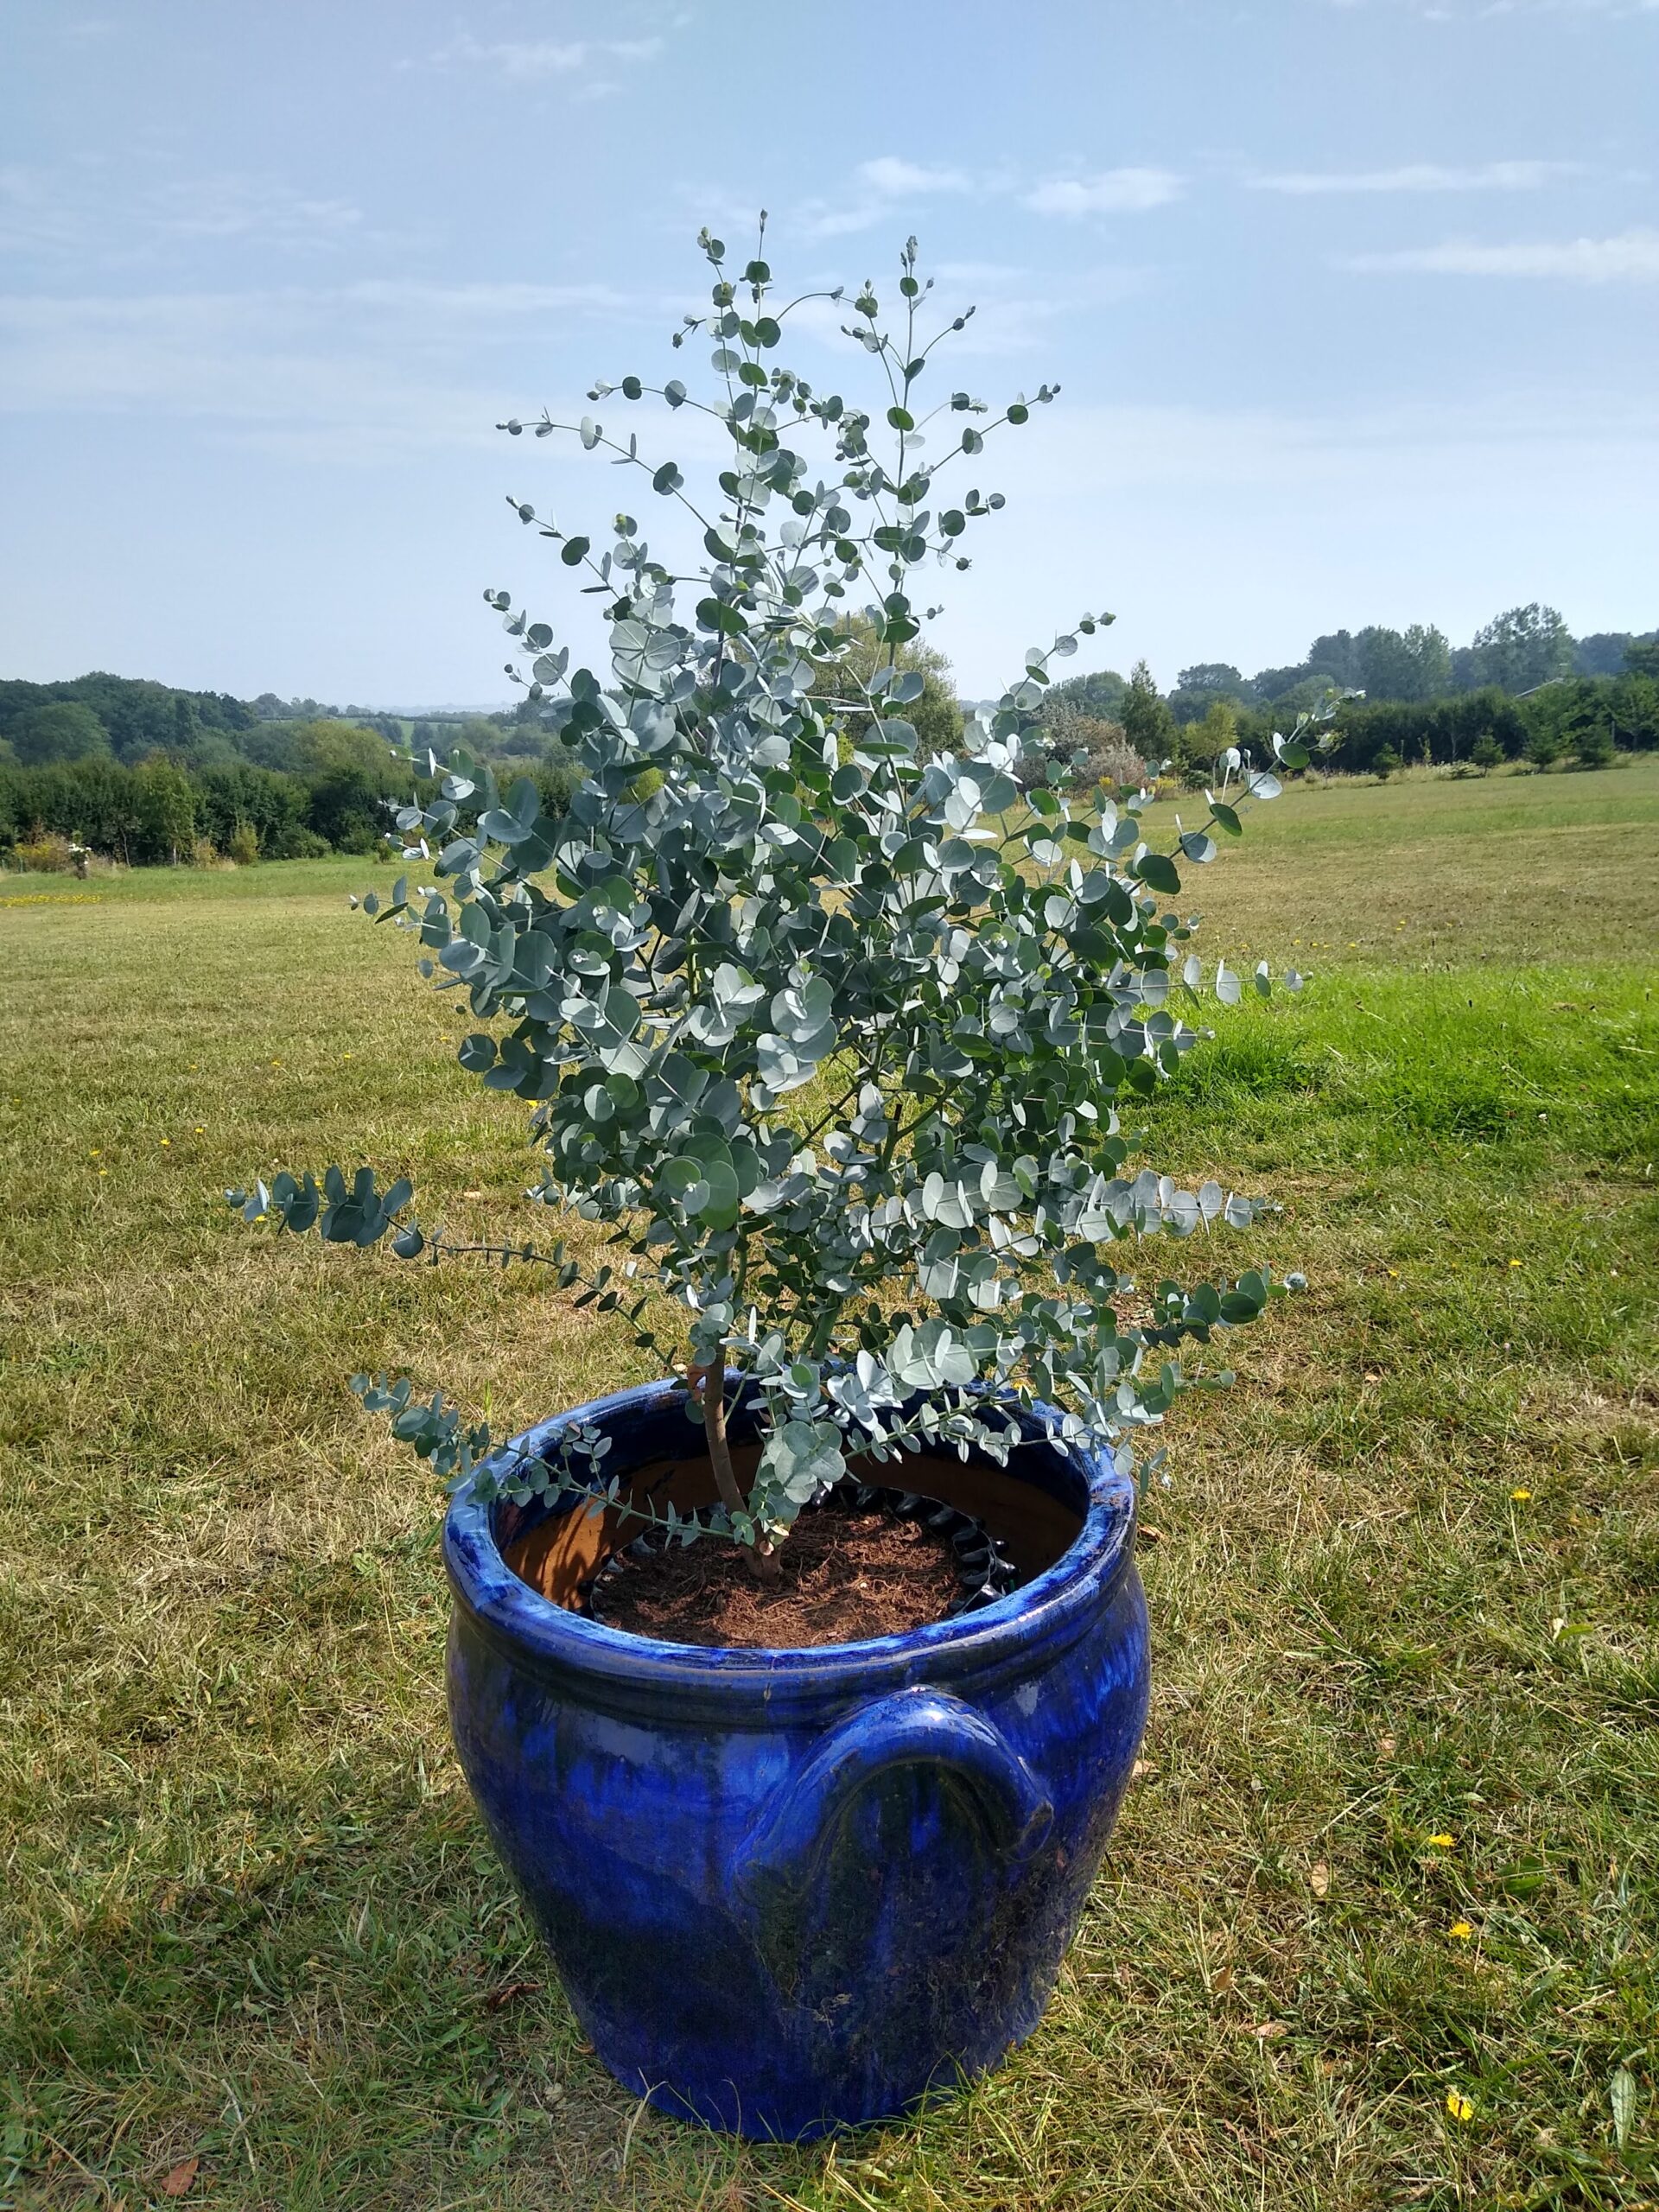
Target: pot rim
631, 1671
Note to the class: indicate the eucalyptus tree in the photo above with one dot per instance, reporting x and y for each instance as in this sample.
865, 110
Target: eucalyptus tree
828, 1028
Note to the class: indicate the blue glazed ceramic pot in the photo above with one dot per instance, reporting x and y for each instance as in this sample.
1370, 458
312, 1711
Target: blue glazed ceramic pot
788, 1891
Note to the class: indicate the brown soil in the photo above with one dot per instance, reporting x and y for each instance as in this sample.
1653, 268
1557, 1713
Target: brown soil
846, 1575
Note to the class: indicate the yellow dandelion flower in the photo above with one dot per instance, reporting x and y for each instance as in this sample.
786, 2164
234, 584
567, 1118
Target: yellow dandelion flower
167, 1140
1458, 2106
200, 1132
103, 1171
1444, 1842
1520, 1495
1515, 1264
1461, 1930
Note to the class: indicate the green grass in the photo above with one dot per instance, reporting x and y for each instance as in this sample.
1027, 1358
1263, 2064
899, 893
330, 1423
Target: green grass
247, 1914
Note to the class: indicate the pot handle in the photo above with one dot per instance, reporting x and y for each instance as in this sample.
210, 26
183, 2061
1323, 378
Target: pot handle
913, 1727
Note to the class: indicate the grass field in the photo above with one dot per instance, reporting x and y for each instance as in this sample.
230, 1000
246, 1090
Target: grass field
1378, 1926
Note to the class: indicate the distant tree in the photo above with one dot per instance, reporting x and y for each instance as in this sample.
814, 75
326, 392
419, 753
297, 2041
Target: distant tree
1099, 694
1271, 684
1301, 698
1410, 665
1602, 654
63, 729
1633, 710
1385, 762
324, 748
351, 774
1524, 647
1485, 752
1218, 678
1148, 726
1544, 747
936, 717
1595, 747
1458, 725
143, 717
271, 808
1431, 659
164, 812
1335, 657
1382, 667
521, 740
1202, 743
1197, 688
1641, 657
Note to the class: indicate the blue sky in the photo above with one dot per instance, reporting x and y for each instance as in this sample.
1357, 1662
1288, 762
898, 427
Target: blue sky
1355, 308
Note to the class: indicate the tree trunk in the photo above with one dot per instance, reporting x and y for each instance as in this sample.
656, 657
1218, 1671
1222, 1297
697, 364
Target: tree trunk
708, 1389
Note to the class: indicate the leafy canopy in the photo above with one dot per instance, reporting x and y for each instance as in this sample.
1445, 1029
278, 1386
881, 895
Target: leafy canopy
830, 1024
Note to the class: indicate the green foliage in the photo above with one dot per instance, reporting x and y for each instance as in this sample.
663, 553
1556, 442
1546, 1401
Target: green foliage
1595, 747
64, 729
1202, 747
1098, 695
351, 777
1435, 731
1524, 647
1413, 664
1485, 752
236, 803
825, 1021
933, 713
1385, 762
164, 811
1148, 725
138, 717
1209, 684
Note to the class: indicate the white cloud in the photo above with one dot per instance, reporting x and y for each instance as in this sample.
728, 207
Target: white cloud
1110, 191
900, 179
1420, 176
82, 210
528, 59
878, 182
1631, 258
241, 207
875, 185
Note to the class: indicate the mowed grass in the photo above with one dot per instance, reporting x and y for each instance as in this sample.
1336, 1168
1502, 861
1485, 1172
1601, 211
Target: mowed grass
1406, 1586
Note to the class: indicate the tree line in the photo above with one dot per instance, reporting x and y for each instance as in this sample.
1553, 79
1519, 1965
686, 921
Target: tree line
148, 773
160, 810
1524, 689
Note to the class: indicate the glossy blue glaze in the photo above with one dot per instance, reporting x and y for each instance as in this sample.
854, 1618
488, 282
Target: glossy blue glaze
793, 1890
